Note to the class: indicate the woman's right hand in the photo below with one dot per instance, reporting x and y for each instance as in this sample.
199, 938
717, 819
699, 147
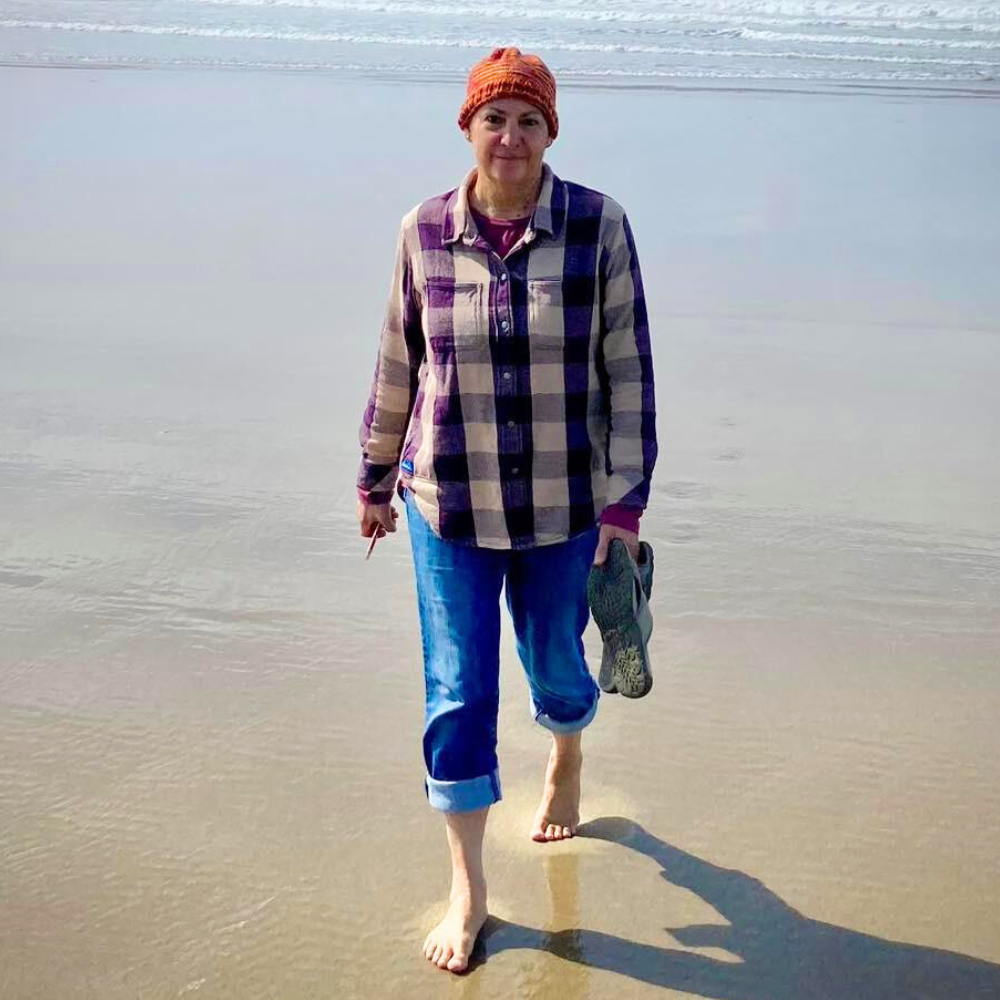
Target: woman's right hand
376, 517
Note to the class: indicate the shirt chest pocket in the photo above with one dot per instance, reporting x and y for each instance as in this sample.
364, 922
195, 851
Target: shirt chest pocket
455, 320
546, 324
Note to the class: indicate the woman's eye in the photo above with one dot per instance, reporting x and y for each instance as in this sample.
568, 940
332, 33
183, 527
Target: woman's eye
493, 119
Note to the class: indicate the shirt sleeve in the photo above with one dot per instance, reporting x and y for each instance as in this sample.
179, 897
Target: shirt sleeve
394, 385
622, 517
627, 372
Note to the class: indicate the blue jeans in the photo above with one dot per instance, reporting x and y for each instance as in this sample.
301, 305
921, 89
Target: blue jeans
458, 593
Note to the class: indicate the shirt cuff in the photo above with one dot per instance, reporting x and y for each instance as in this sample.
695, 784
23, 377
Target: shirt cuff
622, 517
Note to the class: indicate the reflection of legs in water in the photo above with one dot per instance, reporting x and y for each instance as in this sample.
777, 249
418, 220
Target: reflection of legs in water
541, 978
449, 945
559, 813
562, 877
785, 955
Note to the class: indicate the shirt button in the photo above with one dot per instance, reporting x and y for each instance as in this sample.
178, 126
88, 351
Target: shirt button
503, 277
514, 471
506, 376
504, 325
510, 423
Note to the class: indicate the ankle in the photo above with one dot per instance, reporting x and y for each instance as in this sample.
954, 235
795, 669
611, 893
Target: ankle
566, 754
467, 884
468, 888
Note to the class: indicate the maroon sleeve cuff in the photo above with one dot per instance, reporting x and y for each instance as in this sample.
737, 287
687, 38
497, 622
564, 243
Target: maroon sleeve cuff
622, 517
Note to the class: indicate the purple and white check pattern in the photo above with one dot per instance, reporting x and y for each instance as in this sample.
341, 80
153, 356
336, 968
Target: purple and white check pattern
513, 397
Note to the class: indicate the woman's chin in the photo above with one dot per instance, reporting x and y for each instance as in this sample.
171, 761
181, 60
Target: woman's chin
509, 170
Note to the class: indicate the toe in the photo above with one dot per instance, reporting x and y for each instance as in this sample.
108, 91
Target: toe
436, 954
446, 956
458, 962
567, 832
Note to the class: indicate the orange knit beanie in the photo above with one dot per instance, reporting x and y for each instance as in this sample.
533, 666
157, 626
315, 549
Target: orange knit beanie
507, 73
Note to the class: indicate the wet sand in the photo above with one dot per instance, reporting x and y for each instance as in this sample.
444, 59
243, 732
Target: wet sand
210, 772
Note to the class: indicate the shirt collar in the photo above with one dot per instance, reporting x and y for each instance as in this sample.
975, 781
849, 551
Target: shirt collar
547, 218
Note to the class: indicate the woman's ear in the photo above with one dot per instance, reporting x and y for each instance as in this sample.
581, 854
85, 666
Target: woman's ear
468, 134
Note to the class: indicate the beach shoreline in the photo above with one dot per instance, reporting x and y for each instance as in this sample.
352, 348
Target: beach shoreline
210, 704
987, 89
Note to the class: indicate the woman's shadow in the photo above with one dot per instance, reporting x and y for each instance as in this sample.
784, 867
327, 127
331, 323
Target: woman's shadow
783, 954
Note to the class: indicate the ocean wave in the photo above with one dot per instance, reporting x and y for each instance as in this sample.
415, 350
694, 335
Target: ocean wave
181, 30
567, 74
779, 36
260, 34
935, 16
691, 19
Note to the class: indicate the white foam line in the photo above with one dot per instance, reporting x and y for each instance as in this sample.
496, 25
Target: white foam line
441, 69
474, 43
548, 13
867, 15
780, 36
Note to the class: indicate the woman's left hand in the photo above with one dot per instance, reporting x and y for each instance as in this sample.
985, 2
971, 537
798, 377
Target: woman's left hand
609, 531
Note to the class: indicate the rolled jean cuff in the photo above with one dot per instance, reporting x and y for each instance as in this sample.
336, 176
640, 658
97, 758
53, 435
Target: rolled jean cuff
564, 728
463, 796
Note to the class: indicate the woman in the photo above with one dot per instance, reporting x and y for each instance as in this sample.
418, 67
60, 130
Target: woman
512, 410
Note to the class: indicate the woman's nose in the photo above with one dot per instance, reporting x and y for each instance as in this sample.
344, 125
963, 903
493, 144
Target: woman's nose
510, 136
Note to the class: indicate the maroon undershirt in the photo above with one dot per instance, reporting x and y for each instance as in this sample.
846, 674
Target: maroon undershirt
502, 234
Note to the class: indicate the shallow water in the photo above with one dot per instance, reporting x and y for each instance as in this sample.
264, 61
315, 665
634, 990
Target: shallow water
210, 779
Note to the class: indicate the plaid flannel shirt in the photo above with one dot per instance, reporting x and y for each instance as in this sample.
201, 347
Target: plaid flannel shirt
513, 397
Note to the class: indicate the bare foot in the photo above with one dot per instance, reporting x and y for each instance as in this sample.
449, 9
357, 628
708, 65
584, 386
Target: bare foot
559, 814
449, 945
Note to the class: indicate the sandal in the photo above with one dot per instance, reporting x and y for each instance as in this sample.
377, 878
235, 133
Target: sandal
618, 592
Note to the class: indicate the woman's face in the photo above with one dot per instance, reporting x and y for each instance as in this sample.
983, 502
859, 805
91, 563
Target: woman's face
509, 138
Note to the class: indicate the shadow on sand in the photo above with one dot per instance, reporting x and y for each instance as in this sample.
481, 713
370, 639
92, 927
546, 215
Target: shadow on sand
783, 954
